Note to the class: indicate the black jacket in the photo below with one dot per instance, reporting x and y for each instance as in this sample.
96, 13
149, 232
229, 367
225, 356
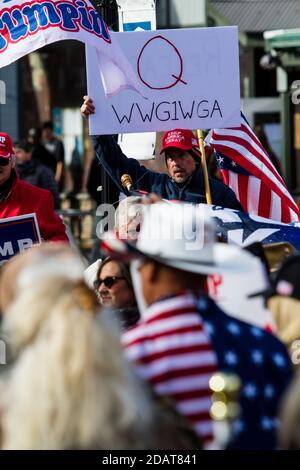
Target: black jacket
41, 176
116, 164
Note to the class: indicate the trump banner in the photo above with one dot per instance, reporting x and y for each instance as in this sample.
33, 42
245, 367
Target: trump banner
18, 234
30, 25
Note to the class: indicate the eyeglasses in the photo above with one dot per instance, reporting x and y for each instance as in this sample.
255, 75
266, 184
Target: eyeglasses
108, 281
4, 161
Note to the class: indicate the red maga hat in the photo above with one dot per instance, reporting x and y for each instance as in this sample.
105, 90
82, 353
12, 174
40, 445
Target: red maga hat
6, 145
182, 139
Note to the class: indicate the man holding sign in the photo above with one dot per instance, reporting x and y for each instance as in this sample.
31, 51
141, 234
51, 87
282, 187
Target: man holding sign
20, 198
184, 181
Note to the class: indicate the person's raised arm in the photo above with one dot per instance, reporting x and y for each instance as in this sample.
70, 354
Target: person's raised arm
111, 156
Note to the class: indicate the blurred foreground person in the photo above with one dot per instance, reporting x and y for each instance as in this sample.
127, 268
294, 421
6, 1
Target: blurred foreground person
183, 338
283, 300
65, 354
289, 435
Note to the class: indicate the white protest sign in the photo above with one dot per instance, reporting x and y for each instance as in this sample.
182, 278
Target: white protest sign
189, 79
137, 15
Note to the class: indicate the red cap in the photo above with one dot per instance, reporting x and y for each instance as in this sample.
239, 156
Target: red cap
6, 145
182, 139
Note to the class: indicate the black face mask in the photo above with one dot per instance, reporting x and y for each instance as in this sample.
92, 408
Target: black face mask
4, 161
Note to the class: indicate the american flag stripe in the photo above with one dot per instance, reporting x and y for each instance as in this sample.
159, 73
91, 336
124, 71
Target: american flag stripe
153, 330
188, 395
293, 215
146, 335
247, 169
275, 207
254, 167
169, 314
174, 341
184, 384
194, 406
243, 183
172, 351
253, 194
285, 213
254, 158
160, 352
264, 204
174, 305
178, 362
244, 137
186, 372
234, 183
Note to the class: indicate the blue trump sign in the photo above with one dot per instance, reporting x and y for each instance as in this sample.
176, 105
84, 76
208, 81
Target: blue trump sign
17, 234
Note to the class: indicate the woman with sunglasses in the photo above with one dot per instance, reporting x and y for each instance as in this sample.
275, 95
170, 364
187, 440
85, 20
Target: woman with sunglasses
114, 288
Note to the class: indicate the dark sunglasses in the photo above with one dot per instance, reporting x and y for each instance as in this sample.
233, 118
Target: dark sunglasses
108, 281
4, 161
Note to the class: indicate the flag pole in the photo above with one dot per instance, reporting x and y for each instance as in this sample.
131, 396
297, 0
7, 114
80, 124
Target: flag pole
204, 167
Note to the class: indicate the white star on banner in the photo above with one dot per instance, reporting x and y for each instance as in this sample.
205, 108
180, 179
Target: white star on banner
269, 391
257, 357
250, 390
279, 360
256, 332
233, 328
231, 358
266, 423
209, 328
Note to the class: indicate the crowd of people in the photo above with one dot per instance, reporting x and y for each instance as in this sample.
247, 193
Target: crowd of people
125, 353
122, 353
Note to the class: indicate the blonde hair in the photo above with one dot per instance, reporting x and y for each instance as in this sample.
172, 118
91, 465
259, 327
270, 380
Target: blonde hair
289, 435
286, 315
70, 387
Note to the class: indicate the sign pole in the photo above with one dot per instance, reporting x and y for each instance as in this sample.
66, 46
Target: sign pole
204, 166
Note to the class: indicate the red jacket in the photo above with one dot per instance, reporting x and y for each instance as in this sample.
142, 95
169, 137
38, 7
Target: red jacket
27, 199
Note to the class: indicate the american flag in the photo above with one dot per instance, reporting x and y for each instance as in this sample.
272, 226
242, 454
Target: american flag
247, 169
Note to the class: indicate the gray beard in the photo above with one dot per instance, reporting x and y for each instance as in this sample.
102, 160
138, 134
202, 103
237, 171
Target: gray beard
180, 179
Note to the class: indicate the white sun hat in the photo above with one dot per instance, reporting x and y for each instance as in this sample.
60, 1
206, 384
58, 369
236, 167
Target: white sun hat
182, 236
